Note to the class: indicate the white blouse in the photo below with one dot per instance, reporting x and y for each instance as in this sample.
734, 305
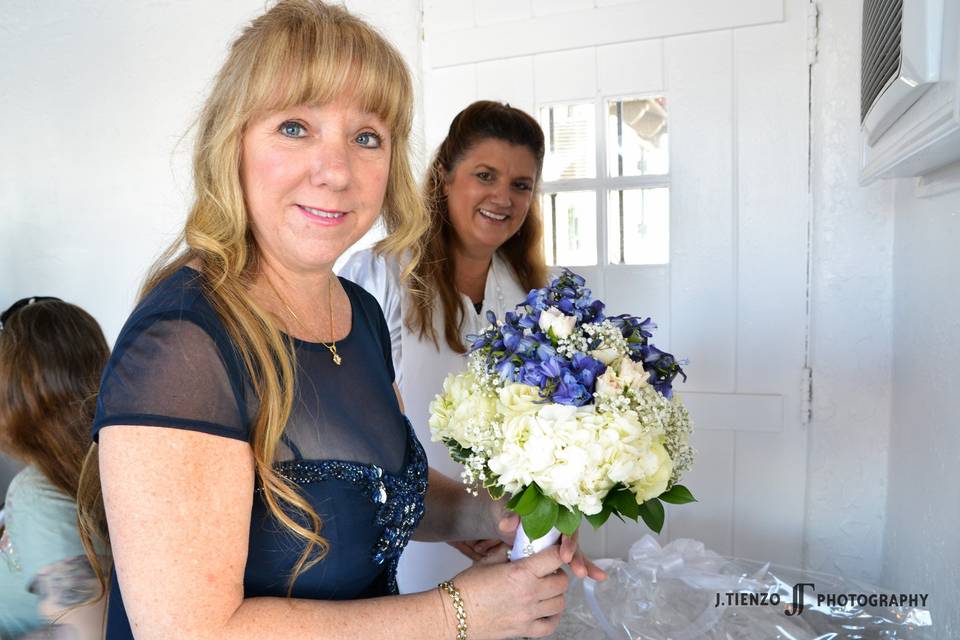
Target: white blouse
421, 368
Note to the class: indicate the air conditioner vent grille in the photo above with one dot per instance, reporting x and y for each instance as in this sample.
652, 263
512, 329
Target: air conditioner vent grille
880, 59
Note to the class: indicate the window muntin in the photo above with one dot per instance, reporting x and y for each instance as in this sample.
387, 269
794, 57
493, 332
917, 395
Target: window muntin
606, 198
638, 226
570, 227
637, 140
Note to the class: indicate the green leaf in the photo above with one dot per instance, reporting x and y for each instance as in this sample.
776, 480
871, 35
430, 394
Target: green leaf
652, 513
568, 520
625, 502
528, 501
512, 504
543, 517
496, 491
598, 519
678, 494
457, 451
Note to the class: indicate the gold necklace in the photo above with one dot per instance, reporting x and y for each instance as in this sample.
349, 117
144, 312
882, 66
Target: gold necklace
332, 347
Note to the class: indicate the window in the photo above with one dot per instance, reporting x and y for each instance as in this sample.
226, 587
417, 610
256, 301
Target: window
617, 212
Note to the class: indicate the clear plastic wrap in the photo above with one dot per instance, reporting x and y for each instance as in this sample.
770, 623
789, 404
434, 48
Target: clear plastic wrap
680, 592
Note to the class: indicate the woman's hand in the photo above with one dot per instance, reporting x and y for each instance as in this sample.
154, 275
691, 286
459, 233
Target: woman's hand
582, 567
486, 550
523, 598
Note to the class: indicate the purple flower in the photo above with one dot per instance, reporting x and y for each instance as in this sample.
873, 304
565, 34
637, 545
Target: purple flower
532, 374
505, 370
587, 369
518, 350
545, 351
571, 392
663, 368
551, 367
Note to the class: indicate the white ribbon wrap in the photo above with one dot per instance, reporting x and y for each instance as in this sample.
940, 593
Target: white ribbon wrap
524, 547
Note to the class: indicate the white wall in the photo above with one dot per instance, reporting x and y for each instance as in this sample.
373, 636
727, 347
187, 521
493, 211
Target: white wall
97, 105
923, 506
851, 316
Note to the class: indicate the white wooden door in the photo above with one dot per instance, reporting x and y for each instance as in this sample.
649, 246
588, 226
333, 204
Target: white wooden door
732, 298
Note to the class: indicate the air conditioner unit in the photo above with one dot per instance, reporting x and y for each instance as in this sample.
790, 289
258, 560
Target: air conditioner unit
909, 95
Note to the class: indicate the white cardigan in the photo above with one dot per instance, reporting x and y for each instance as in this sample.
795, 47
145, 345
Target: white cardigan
421, 368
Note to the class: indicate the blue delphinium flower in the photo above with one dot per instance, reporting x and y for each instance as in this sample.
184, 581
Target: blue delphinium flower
663, 368
587, 369
517, 350
570, 391
568, 294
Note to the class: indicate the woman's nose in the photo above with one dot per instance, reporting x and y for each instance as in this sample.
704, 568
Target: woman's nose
501, 195
331, 166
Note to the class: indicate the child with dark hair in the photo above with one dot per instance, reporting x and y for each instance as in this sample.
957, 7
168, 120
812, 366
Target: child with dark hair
51, 357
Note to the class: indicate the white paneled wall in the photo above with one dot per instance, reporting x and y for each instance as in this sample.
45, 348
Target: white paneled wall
447, 91
509, 80
550, 7
565, 76
443, 16
699, 72
767, 220
499, 11
571, 24
631, 67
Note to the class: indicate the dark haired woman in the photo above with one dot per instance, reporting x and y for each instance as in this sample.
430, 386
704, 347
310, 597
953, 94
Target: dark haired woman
51, 356
484, 252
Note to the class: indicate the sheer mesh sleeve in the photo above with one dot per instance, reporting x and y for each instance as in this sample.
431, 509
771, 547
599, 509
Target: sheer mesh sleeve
173, 372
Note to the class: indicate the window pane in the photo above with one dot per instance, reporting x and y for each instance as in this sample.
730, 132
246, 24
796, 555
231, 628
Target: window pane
570, 135
637, 137
638, 226
570, 228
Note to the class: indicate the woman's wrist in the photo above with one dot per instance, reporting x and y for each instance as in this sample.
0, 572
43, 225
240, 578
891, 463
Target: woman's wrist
454, 609
494, 511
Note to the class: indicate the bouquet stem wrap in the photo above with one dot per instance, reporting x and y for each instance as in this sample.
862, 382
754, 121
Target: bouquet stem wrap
524, 547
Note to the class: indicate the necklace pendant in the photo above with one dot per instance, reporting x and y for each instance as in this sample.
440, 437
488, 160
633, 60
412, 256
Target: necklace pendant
336, 358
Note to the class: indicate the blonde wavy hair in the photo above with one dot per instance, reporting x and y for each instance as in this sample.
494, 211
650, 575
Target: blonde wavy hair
298, 52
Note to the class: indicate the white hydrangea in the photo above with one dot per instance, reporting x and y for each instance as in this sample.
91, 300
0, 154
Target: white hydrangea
467, 413
509, 434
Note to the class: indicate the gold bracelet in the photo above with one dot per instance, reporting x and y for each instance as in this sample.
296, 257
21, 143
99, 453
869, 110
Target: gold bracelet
457, 607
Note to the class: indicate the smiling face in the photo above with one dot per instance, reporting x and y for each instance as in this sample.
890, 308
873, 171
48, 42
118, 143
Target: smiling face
314, 179
489, 192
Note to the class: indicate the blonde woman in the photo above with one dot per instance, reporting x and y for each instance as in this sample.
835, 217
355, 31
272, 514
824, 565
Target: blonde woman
258, 475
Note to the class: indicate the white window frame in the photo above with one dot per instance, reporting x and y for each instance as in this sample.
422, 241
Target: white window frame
604, 184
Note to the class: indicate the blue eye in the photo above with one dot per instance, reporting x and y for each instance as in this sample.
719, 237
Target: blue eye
292, 129
369, 139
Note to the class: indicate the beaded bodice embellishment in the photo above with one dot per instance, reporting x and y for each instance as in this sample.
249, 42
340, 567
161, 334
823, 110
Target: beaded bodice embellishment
399, 497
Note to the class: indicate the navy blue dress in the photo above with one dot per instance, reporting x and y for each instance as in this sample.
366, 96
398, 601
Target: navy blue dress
347, 445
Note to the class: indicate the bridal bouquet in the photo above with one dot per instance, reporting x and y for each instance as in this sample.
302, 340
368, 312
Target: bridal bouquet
571, 413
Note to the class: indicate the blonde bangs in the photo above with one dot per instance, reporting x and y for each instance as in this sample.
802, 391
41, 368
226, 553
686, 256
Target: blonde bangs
305, 59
